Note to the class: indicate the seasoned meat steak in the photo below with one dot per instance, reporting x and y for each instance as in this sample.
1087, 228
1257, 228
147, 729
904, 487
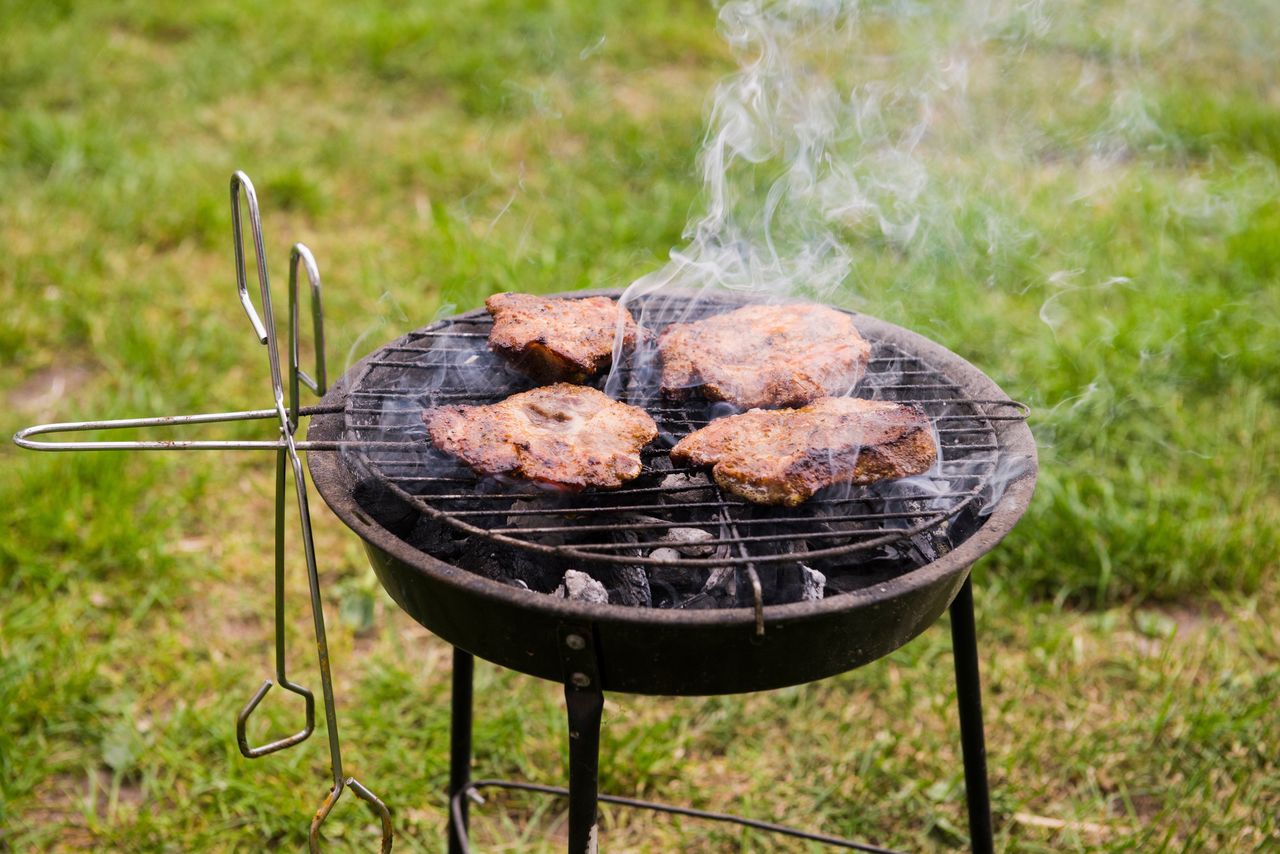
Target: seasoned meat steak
764, 355
568, 340
784, 456
564, 436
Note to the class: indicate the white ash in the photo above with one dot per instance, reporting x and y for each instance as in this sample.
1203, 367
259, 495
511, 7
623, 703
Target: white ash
580, 587
812, 584
665, 554
691, 542
681, 491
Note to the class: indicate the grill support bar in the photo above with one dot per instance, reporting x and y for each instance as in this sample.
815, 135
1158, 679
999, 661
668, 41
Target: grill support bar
964, 645
464, 665
585, 703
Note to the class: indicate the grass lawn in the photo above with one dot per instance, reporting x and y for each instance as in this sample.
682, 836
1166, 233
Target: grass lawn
1101, 235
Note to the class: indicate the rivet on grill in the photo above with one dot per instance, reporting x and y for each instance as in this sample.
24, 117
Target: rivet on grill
580, 680
575, 642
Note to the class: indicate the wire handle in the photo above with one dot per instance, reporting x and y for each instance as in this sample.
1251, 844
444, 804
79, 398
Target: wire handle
286, 448
242, 720
288, 457
326, 679
297, 376
239, 181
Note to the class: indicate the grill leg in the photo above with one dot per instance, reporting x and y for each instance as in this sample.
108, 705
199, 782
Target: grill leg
964, 642
585, 708
460, 744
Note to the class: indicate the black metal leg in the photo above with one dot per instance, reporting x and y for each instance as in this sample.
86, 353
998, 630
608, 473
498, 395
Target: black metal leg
460, 746
585, 709
964, 641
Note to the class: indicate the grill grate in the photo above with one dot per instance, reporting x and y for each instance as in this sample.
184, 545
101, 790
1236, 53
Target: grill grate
449, 362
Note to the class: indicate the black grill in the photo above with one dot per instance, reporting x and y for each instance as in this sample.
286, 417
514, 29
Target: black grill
847, 532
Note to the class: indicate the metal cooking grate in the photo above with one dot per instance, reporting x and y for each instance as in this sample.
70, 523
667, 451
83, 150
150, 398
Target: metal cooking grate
449, 362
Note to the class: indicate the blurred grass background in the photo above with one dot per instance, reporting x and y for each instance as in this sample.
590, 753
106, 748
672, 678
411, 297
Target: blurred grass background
1103, 240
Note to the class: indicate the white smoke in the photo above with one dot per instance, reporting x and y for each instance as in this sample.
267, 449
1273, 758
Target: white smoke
814, 144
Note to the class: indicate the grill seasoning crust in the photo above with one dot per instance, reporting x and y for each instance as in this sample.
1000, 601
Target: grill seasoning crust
764, 356
782, 457
566, 340
561, 436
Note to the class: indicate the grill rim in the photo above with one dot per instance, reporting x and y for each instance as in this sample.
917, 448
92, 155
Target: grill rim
336, 486
988, 413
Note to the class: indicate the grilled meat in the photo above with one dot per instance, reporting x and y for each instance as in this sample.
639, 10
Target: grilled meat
567, 340
564, 436
784, 456
764, 355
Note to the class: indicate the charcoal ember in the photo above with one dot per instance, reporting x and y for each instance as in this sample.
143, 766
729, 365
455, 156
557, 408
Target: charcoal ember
813, 583
659, 462
673, 585
580, 587
721, 587
933, 544
690, 542
683, 488
625, 585
865, 574
438, 540
524, 519
499, 563
700, 602
390, 511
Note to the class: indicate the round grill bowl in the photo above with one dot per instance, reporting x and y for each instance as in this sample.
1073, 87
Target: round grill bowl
683, 652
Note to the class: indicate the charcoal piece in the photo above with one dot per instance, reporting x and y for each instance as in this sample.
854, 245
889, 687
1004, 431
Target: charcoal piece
672, 585
499, 563
847, 579
390, 511
521, 518
660, 462
699, 602
580, 587
812, 584
625, 585
438, 540
665, 554
721, 587
691, 542
679, 491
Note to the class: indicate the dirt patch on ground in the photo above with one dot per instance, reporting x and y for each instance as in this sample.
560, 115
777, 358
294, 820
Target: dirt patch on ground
643, 95
43, 391
72, 801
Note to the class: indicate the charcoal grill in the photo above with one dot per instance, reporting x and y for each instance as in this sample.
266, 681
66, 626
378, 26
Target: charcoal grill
893, 557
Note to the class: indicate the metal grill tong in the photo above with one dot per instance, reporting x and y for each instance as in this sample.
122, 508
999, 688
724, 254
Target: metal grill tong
286, 448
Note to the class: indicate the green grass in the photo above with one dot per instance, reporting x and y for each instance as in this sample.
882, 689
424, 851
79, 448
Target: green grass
1103, 236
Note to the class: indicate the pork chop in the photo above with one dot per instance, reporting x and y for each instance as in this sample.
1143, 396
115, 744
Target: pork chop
764, 355
784, 456
566, 339
563, 436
